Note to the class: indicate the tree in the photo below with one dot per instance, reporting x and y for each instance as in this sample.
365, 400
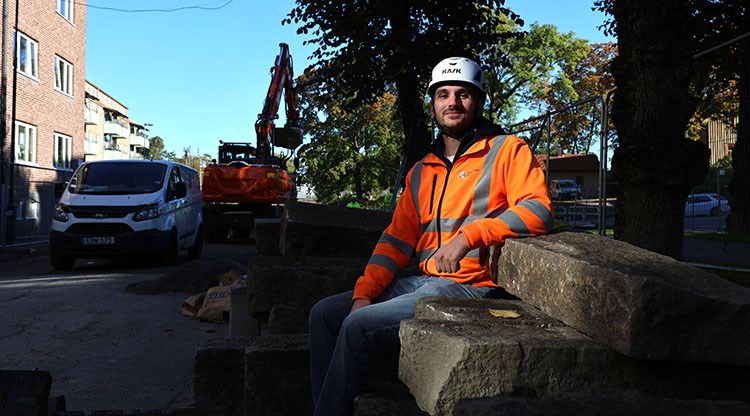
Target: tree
350, 151
722, 82
654, 164
577, 129
527, 68
364, 46
660, 56
156, 148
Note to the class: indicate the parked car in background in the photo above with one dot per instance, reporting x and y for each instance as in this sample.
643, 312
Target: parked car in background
561, 189
706, 204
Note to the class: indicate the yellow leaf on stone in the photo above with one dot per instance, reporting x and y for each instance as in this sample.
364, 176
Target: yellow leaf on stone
505, 313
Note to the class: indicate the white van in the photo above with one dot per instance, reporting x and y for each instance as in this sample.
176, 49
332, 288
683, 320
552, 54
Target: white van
139, 208
562, 189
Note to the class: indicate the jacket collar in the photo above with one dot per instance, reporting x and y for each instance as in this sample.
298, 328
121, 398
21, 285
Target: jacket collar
482, 129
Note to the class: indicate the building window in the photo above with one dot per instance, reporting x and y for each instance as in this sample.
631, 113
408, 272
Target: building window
28, 207
25, 142
26, 55
63, 76
63, 151
65, 9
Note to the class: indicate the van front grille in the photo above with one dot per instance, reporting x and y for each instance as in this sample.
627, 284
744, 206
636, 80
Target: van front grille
100, 212
103, 228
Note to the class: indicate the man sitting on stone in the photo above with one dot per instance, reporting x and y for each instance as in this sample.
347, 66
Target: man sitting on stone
475, 188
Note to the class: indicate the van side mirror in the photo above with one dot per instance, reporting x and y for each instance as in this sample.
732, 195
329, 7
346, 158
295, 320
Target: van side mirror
60, 188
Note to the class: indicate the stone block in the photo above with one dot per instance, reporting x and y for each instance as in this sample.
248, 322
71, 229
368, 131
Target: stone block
461, 348
598, 402
219, 376
288, 320
24, 393
368, 405
640, 303
302, 281
457, 348
277, 376
298, 281
267, 236
241, 321
330, 231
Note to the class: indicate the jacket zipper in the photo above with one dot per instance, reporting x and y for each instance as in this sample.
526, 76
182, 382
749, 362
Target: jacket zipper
440, 204
432, 194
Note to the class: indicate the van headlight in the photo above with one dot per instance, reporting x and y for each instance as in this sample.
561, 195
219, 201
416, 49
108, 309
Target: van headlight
61, 213
146, 213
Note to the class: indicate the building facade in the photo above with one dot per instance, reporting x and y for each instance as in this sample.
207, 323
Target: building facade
720, 137
43, 78
110, 133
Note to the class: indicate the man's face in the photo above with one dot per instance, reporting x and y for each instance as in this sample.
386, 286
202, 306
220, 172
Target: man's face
454, 107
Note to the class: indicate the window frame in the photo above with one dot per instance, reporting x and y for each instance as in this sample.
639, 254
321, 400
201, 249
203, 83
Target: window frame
28, 208
32, 55
63, 76
65, 9
30, 142
67, 158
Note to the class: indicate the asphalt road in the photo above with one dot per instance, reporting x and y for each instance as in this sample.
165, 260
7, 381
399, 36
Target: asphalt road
105, 347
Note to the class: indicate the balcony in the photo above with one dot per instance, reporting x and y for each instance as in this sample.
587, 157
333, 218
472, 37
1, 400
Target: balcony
90, 148
139, 140
116, 129
110, 154
91, 117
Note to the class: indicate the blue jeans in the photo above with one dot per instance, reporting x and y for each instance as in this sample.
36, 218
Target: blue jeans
344, 347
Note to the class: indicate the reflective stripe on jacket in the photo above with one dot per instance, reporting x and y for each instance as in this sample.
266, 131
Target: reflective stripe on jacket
494, 190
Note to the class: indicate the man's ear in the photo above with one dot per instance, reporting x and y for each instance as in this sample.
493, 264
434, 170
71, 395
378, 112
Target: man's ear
432, 109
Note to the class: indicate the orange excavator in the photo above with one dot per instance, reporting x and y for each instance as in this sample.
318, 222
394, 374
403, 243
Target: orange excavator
249, 182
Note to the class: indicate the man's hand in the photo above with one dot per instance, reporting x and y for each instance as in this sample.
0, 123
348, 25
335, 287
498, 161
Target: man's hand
359, 303
448, 256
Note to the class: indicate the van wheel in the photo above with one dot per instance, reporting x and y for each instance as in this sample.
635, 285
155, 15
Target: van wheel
61, 262
194, 252
169, 255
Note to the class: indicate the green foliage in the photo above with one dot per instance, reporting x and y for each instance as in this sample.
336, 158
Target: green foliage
156, 148
548, 72
524, 69
350, 151
577, 128
364, 47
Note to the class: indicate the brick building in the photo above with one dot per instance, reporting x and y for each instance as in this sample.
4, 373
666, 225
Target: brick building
43, 76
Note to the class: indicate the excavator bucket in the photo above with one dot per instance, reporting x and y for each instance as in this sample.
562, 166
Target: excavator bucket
287, 137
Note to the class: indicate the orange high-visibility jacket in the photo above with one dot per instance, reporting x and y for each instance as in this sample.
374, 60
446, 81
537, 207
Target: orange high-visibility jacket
495, 189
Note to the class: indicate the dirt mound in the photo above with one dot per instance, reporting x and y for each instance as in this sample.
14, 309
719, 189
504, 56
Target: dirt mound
194, 277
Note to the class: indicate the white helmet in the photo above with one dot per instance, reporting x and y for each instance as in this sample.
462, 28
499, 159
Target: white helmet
456, 69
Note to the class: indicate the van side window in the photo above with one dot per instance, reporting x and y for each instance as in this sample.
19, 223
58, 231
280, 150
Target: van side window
191, 179
174, 179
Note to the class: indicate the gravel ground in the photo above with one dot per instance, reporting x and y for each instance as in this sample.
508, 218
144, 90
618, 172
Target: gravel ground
110, 333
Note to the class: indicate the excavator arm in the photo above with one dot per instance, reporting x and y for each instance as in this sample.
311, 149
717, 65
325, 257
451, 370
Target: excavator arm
282, 82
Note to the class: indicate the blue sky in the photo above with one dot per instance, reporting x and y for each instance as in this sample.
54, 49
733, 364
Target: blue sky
201, 75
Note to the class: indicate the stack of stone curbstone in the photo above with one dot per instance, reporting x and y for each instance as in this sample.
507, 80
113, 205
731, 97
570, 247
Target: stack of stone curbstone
595, 314
313, 251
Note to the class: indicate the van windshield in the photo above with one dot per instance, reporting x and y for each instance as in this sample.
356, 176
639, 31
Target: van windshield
120, 178
568, 184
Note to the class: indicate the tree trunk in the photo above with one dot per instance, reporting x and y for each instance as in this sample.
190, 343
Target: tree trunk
655, 165
739, 187
410, 98
413, 118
